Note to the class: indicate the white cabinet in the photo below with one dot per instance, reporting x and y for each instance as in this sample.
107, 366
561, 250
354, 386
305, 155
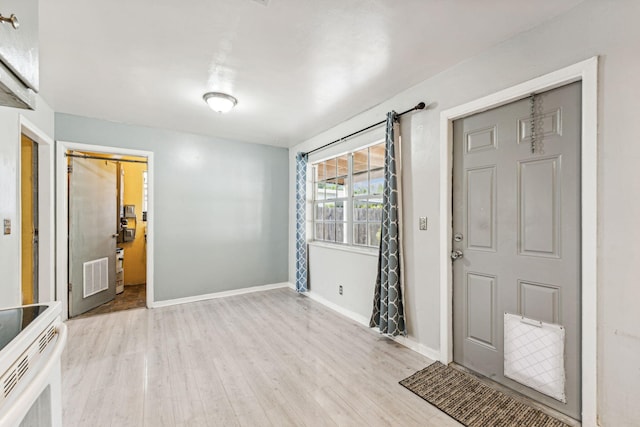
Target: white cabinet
19, 67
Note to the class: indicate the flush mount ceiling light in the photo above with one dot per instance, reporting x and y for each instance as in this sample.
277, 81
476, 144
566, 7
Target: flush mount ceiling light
220, 102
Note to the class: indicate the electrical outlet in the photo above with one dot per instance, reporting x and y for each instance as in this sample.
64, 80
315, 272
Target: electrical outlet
423, 223
340, 289
7, 226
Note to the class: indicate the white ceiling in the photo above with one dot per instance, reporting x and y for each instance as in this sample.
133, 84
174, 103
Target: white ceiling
297, 67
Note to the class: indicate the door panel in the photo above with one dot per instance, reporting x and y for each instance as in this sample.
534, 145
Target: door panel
481, 304
481, 199
539, 207
518, 215
92, 232
539, 301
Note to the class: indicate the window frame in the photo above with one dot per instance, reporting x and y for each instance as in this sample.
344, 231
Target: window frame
349, 200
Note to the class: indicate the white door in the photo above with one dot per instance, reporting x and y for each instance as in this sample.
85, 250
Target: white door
92, 233
516, 226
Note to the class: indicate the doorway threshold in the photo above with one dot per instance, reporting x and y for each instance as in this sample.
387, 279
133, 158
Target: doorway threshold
134, 296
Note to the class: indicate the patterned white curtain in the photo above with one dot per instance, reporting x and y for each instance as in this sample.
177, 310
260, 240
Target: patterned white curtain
301, 222
388, 307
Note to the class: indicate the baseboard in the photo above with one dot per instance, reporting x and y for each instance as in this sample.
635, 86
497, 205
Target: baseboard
405, 341
418, 347
335, 307
224, 294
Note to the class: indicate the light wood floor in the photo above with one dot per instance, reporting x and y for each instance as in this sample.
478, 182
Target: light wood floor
267, 358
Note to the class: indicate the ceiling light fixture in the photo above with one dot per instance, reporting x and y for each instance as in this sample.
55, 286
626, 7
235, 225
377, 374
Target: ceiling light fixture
220, 102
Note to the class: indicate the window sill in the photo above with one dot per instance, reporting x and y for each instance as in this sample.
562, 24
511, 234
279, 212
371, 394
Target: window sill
345, 248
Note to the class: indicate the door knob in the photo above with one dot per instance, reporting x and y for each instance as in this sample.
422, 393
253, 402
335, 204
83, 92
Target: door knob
456, 254
13, 20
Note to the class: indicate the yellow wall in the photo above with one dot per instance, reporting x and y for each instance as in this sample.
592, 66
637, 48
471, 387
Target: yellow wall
135, 253
26, 198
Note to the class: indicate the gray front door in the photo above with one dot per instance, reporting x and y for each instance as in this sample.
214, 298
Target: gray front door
516, 220
92, 233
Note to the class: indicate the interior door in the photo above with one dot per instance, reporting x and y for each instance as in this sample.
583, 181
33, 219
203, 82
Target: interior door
92, 233
516, 226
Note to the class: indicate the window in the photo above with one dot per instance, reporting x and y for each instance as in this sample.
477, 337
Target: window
347, 197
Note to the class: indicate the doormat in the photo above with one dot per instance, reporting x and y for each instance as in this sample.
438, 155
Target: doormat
472, 403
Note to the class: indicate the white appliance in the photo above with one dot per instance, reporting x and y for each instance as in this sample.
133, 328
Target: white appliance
31, 342
119, 270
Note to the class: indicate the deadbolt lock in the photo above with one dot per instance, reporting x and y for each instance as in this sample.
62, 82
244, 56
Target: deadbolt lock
458, 237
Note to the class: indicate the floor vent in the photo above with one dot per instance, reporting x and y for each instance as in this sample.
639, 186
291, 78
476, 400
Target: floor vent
95, 276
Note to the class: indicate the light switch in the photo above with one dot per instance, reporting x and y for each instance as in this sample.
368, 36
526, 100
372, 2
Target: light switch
423, 223
7, 226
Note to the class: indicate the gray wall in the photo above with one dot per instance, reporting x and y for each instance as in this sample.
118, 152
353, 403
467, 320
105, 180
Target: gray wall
607, 28
221, 209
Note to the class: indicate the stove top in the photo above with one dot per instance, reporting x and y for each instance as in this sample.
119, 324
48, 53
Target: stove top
15, 320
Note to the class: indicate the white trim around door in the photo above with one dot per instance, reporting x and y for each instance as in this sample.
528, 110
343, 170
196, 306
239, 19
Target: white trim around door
62, 225
587, 72
46, 248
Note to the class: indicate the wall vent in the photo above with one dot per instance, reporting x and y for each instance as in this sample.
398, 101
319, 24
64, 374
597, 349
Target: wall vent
95, 277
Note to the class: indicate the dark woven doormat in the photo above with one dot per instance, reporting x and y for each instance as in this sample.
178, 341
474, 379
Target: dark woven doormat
474, 404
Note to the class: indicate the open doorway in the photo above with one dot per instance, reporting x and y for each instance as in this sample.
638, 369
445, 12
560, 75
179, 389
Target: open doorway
104, 226
29, 219
107, 232
36, 214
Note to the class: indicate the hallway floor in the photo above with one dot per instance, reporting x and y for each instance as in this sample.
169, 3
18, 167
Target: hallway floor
134, 296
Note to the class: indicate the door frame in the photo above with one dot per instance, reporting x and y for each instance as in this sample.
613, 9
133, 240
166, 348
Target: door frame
62, 223
586, 72
46, 243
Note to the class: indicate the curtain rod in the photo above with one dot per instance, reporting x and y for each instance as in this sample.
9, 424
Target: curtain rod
420, 106
86, 156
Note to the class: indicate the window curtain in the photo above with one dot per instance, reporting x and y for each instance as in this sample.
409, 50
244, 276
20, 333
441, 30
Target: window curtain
388, 307
301, 222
